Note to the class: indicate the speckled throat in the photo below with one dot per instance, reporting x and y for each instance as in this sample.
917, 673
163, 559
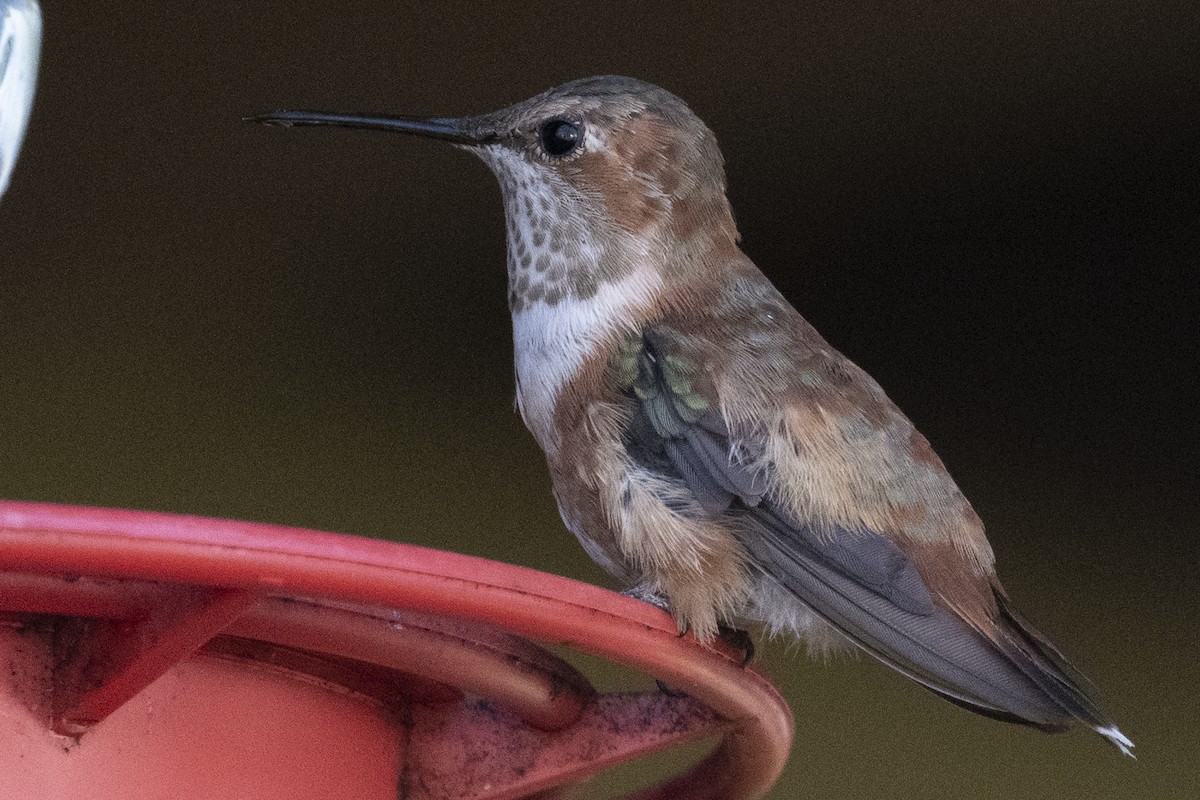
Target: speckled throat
554, 253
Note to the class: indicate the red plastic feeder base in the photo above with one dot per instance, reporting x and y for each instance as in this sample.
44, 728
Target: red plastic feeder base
149, 655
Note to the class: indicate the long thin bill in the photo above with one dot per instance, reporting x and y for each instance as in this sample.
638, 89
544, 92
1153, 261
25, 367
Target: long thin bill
450, 130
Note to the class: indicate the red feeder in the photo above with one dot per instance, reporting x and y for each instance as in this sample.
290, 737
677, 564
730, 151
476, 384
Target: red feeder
151, 655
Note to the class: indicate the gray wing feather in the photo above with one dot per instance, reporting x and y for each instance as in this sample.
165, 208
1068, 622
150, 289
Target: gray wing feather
932, 646
705, 457
864, 585
714, 494
860, 582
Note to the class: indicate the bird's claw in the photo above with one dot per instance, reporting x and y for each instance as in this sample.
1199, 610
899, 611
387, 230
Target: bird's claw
739, 640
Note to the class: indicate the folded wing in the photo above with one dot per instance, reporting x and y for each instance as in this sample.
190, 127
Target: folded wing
860, 581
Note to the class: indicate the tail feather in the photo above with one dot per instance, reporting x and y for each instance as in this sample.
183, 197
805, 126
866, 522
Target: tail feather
1012, 673
1035, 655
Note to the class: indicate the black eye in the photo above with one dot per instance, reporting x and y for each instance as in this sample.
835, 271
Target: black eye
560, 136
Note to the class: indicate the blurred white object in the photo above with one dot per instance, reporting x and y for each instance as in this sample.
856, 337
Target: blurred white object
20, 43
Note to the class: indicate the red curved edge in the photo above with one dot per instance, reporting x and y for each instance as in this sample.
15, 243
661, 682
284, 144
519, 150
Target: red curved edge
36, 537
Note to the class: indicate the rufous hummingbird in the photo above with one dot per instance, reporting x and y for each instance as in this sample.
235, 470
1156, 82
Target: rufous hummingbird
707, 446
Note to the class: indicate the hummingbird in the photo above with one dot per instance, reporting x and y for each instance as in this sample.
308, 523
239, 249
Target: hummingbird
706, 445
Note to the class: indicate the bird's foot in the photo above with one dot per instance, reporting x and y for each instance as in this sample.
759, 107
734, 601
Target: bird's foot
739, 640
647, 595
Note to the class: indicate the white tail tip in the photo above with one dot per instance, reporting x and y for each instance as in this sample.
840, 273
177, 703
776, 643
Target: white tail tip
1117, 738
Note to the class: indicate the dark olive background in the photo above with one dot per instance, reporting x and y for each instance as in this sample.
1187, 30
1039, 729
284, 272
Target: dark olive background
992, 207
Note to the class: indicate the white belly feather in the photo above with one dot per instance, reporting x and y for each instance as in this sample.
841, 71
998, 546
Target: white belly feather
552, 341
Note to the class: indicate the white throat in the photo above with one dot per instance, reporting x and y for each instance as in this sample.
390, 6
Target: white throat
551, 342
570, 287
